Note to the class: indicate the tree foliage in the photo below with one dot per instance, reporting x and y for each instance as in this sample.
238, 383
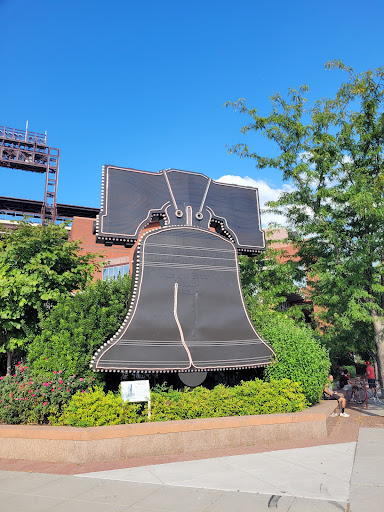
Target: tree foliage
77, 326
332, 155
37, 266
267, 280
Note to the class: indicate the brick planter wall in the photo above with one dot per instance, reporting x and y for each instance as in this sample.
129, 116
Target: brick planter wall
101, 444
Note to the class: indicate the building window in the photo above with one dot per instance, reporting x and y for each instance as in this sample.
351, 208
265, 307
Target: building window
115, 272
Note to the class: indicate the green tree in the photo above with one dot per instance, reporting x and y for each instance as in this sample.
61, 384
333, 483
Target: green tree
77, 326
332, 154
37, 266
267, 280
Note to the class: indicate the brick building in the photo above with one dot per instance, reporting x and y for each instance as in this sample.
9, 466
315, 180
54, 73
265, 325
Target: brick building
117, 259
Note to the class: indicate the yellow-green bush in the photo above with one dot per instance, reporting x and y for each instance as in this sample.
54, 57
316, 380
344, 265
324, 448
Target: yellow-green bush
94, 407
251, 397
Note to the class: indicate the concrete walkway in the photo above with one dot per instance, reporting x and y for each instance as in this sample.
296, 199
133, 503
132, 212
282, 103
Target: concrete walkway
302, 479
332, 477
367, 482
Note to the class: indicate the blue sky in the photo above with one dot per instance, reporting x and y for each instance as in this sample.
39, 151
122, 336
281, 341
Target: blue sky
142, 84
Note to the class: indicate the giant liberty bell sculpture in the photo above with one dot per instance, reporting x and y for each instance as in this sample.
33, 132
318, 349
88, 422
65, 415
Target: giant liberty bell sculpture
187, 312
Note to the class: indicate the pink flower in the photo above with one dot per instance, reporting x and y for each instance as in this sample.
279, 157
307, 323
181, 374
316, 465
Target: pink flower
81, 379
58, 388
17, 382
11, 394
1, 378
45, 383
60, 371
45, 403
26, 399
55, 372
45, 359
33, 394
53, 389
83, 391
68, 390
43, 394
60, 381
29, 391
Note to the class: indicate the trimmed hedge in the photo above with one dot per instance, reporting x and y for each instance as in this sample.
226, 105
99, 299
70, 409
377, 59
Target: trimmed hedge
253, 397
96, 408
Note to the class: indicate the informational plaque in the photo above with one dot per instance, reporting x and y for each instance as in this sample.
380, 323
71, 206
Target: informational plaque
136, 391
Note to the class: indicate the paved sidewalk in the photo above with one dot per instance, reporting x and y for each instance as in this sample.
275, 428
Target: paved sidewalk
367, 482
342, 476
298, 480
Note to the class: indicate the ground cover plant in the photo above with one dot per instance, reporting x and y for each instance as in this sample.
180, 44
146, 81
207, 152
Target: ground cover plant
252, 397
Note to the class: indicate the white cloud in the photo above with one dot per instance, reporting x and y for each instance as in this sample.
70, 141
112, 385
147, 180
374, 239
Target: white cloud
305, 156
266, 193
347, 159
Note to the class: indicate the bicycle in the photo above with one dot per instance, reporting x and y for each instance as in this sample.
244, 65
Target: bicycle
373, 395
361, 394
358, 395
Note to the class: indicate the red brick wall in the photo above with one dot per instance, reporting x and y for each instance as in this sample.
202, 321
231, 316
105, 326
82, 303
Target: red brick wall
82, 230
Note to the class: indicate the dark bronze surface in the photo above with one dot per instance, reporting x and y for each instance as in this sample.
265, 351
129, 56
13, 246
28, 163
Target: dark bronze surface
187, 312
132, 198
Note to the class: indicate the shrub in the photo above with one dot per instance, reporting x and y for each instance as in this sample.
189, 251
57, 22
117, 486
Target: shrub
352, 371
29, 398
96, 408
251, 397
300, 357
78, 326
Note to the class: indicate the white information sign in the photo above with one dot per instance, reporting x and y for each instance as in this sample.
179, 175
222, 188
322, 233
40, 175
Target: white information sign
136, 391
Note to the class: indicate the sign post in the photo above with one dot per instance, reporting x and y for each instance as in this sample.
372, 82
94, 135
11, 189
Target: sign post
136, 391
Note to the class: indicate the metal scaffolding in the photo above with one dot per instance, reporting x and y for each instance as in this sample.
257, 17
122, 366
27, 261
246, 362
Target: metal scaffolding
28, 151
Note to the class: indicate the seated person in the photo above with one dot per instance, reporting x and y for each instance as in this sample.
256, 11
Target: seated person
330, 395
344, 381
